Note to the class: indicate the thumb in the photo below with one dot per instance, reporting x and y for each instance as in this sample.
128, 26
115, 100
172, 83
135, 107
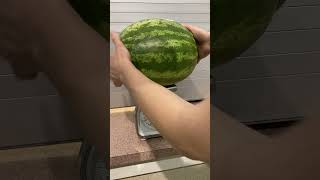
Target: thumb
200, 34
116, 39
117, 83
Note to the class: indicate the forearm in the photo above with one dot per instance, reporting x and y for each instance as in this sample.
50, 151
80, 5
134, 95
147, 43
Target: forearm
230, 135
176, 119
75, 61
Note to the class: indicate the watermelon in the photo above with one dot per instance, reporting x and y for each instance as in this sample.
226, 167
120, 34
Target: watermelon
94, 13
162, 49
236, 25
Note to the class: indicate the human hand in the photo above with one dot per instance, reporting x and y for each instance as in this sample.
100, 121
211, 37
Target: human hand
24, 33
203, 40
18, 36
119, 60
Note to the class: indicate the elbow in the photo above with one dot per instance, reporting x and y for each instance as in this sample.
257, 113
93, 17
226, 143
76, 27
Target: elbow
193, 140
196, 154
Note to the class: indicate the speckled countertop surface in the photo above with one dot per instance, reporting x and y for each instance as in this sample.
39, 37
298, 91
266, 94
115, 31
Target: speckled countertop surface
126, 147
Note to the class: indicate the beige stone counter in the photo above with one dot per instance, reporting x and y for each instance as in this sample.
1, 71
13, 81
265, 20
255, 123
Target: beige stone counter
126, 147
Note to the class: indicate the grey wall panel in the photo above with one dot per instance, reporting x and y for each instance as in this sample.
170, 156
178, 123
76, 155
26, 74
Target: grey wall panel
162, 1
302, 2
159, 8
35, 120
269, 98
11, 87
4, 67
298, 41
294, 18
266, 66
185, 18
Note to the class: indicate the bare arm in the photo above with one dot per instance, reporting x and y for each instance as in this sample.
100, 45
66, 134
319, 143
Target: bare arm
184, 125
68, 51
76, 65
241, 153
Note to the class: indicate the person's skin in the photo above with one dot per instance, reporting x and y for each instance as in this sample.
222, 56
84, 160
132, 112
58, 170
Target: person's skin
48, 36
186, 126
242, 153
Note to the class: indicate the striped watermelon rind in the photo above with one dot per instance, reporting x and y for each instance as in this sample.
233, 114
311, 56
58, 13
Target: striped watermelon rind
162, 49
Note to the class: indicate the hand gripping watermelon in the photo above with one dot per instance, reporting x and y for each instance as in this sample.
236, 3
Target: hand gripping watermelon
162, 49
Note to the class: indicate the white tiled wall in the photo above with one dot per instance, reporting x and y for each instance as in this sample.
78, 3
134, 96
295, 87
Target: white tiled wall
125, 12
163, 1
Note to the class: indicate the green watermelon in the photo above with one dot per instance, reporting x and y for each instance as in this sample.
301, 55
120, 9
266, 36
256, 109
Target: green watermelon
162, 49
94, 13
236, 25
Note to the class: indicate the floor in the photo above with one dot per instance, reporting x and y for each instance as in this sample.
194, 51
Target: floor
60, 162
198, 172
54, 162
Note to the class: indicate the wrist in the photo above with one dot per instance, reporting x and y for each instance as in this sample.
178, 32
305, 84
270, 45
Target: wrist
134, 79
127, 68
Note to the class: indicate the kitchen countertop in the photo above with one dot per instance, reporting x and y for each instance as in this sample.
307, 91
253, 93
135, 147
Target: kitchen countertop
126, 147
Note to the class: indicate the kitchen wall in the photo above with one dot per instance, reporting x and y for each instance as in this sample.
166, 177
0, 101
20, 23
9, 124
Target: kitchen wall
279, 76
125, 12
